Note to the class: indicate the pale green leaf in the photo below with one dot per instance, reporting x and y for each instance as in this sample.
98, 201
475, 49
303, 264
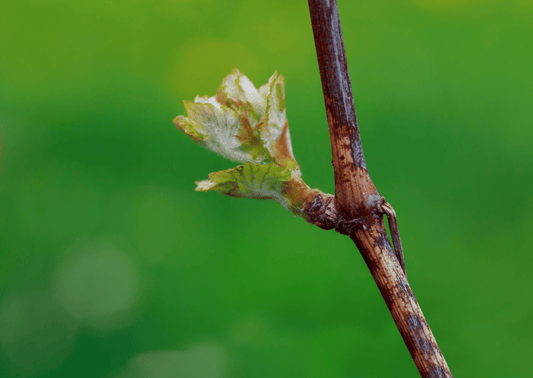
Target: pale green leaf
241, 122
262, 181
249, 125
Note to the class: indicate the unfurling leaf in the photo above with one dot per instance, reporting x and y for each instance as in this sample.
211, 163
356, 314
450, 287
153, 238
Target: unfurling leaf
249, 125
262, 181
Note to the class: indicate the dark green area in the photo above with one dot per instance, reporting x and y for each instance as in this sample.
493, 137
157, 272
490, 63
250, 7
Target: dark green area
111, 265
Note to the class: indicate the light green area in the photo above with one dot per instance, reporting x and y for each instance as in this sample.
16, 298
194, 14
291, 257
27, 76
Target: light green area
241, 122
247, 124
96, 179
249, 181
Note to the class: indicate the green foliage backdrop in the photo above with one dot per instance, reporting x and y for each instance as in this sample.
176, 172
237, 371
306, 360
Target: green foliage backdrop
111, 265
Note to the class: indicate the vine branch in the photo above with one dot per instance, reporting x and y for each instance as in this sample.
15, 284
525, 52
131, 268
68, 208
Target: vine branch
358, 207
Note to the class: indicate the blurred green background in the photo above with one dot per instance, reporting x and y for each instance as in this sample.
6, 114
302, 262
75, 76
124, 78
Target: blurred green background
111, 265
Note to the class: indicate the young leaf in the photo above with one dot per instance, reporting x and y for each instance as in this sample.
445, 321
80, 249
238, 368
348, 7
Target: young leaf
249, 125
262, 181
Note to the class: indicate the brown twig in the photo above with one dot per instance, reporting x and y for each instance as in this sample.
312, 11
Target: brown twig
357, 202
385, 208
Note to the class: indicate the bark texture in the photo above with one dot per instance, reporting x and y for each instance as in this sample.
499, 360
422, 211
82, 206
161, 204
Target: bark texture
357, 208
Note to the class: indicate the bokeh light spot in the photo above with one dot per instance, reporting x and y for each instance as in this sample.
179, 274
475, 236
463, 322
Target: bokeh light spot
206, 360
97, 283
249, 330
36, 333
201, 66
